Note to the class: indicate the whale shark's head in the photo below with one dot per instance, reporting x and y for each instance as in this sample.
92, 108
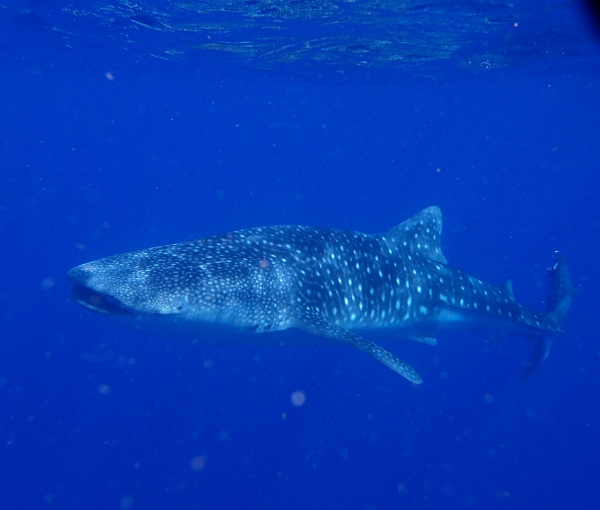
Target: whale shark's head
167, 280
212, 281
122, 285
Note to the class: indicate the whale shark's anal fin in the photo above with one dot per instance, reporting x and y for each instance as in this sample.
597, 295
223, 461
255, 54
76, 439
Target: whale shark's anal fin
312, 321
560, 295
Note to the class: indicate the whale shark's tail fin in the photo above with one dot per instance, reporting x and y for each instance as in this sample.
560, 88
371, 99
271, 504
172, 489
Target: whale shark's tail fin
560, 295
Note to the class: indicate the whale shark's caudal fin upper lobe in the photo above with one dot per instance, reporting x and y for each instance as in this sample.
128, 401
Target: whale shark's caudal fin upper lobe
558, 302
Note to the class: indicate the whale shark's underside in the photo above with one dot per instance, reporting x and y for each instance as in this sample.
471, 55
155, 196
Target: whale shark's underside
332, 283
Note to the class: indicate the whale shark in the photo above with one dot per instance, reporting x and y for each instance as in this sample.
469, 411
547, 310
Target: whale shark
337, 284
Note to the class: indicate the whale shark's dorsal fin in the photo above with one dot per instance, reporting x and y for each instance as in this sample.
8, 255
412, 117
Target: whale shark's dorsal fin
508, 288
420, 235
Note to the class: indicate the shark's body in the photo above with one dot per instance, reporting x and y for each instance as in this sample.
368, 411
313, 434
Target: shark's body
324, 281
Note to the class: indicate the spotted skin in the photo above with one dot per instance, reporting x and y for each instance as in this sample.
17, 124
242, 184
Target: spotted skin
325, 281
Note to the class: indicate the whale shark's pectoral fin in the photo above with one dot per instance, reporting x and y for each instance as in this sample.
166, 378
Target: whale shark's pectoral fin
310, 320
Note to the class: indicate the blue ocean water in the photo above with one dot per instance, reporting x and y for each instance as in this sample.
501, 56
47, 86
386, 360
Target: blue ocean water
127, 125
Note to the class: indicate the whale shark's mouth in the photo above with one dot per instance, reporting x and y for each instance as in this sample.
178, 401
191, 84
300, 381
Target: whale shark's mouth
97, 301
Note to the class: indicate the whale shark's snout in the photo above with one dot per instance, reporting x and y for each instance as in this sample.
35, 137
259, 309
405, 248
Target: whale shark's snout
99, 302
85, 294
144, 282
80, 275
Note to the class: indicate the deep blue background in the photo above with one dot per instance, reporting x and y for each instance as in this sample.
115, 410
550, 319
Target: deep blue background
95, 415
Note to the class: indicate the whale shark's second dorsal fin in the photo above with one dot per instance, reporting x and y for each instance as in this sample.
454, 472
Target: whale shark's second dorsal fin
420, 235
